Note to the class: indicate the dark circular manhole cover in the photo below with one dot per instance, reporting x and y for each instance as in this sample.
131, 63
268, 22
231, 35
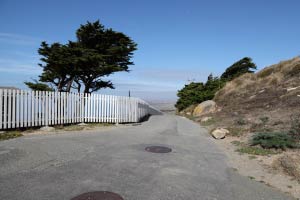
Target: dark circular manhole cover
102, 195
158, 149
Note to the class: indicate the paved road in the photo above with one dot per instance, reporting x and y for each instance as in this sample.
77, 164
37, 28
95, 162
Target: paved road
62, 166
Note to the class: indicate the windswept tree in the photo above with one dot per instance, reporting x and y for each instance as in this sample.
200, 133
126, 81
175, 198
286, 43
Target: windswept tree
58, 65
97, 53
240, 67
37, 86
107, 52
195, 93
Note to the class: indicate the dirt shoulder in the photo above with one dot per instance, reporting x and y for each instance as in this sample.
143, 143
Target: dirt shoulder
261, 168
59, 129
274, 167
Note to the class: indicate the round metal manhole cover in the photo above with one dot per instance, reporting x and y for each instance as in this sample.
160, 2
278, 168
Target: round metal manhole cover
158, 149
101, 195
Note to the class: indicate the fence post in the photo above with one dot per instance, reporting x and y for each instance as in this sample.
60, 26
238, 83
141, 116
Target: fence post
1, 106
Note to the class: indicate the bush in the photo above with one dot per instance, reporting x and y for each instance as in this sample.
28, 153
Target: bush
195, 93
274, 140
295, 127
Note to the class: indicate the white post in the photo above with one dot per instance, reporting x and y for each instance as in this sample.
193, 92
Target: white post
1, 106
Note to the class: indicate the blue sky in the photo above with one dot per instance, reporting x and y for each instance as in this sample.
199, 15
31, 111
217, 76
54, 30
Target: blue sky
178, 40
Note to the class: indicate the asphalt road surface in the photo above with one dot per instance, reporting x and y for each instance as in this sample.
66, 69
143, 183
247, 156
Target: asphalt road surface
62, 166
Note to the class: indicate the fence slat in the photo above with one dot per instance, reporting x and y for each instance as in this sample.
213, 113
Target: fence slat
39, 108
1, 107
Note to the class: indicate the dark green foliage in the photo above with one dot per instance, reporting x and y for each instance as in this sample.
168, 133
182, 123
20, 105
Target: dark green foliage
242, 66
37, 86
194, 93
273, 140
97, 53
59, 65
108, 52
295, 127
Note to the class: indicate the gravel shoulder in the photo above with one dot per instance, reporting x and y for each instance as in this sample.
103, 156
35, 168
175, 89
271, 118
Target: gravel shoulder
259, 168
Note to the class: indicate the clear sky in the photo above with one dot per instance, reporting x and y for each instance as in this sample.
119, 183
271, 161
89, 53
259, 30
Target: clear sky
178, 40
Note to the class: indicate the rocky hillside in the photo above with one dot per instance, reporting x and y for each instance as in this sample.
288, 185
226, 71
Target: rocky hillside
272, 93
258, 117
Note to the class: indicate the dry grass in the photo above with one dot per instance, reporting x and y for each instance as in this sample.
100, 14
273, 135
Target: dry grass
289, 164
10, 135
264, 92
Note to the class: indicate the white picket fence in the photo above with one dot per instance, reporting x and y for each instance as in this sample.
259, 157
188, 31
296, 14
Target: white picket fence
20, 108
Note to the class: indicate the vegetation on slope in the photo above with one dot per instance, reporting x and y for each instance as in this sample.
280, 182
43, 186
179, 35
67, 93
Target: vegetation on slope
195, 93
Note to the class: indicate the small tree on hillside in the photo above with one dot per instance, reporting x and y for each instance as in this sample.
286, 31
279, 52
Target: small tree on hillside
194, 93
242, 66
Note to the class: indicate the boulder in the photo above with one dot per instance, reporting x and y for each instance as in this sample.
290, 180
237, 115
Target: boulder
219, 133
82, 124
205, 119
47, 128
204, 108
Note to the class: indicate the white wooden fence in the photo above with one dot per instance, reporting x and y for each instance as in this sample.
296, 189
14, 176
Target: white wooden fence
20, 108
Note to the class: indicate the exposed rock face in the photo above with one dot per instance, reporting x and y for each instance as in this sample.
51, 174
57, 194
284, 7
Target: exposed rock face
204, 108
219, 133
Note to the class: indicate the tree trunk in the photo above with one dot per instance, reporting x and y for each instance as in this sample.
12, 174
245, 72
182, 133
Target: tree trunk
69, 84
87, 89
59, 86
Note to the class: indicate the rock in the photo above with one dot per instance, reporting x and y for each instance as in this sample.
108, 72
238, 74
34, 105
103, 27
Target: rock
47, 128
252, 97
293, 88
82, 124
219, 133
189, 110
1, 132
205, 119
235, 114
205, 107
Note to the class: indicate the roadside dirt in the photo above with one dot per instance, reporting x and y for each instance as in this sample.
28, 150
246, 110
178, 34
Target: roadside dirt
260, 168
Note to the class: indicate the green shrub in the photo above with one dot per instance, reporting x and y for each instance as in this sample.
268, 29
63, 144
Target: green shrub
255, 151
195, 93
274, 140
295, 127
